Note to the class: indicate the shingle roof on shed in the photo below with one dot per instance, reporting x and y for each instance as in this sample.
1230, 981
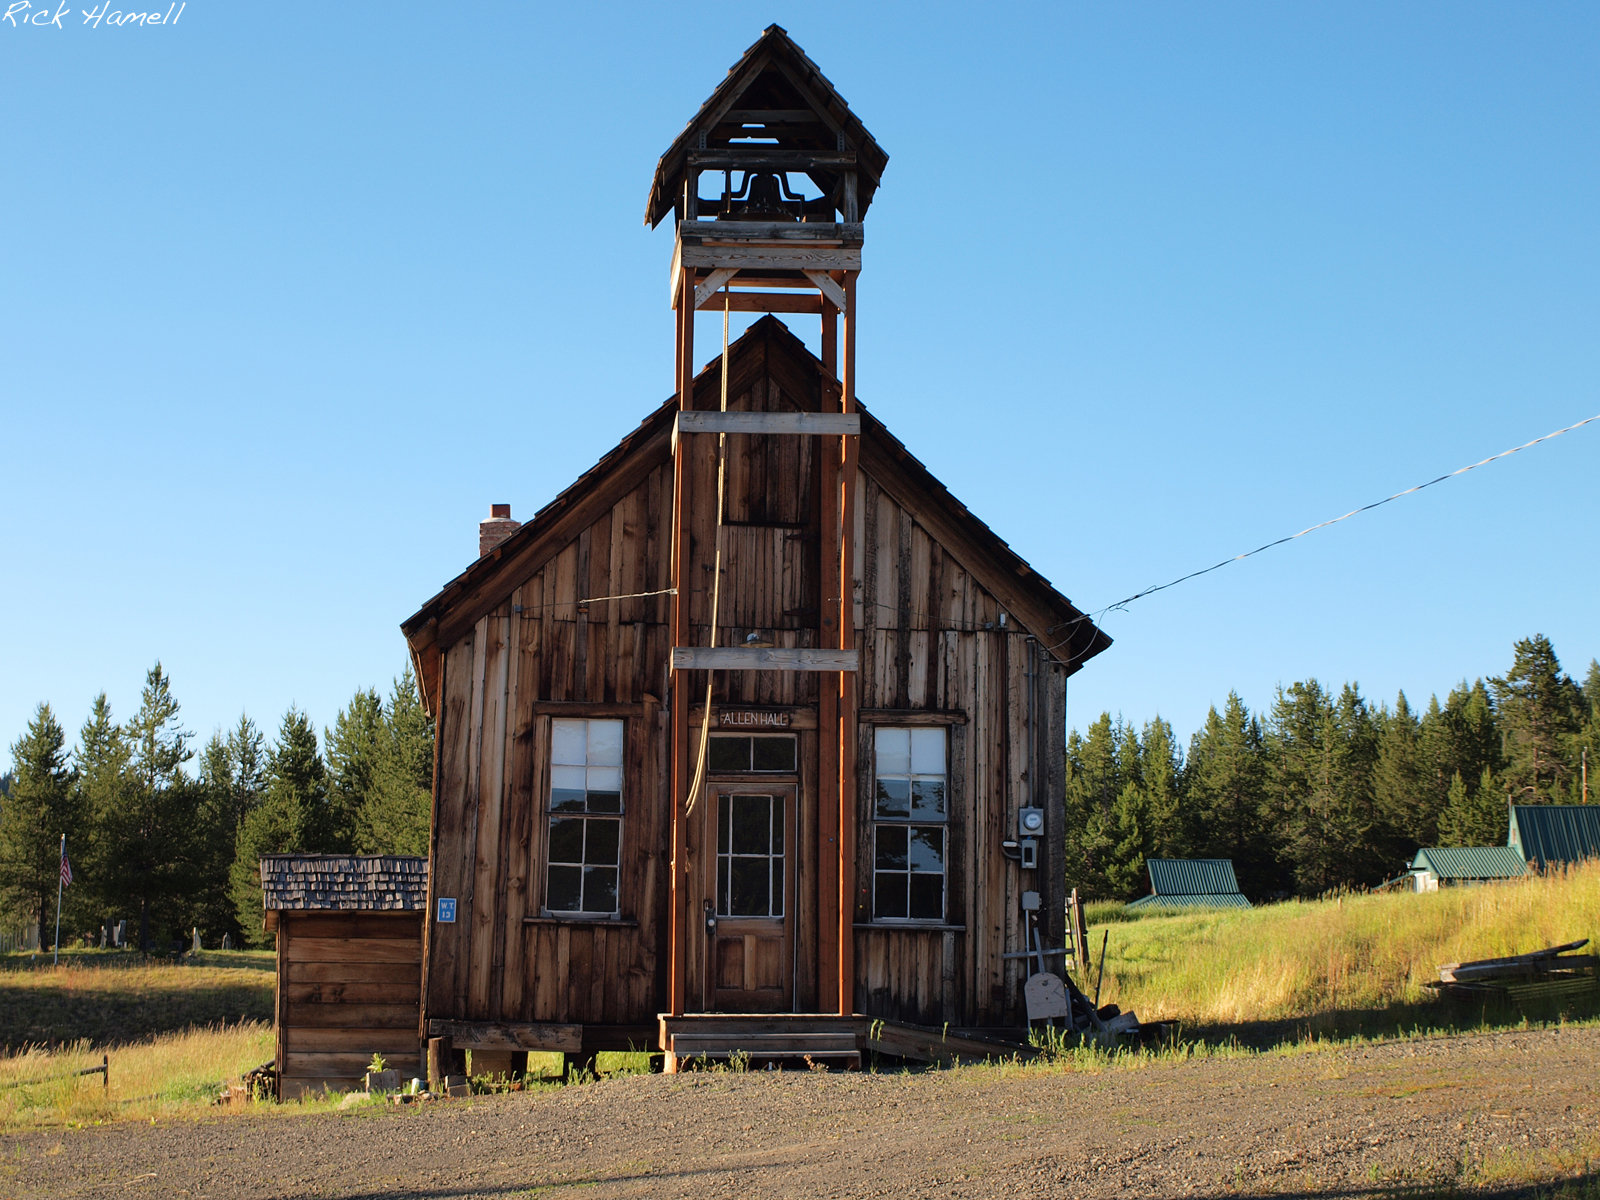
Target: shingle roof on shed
338, 883
1192, 876
1562, 833
1470, 862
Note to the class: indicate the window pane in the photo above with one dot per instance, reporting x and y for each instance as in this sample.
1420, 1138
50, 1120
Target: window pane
927, 799
774, 753
600, 888
890, 896
894, 751
894, 798
566, 840
605, 744
927, 751
600, 846
750, 884
927, 897
891, 848
777, 824
724, 806
777, 887
722, 886
750, 817
561, 890
927, 849
566, 789
605, 789
569, 741
729, 754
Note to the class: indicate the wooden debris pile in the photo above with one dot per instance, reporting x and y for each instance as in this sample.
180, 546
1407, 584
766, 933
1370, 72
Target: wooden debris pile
1552, 974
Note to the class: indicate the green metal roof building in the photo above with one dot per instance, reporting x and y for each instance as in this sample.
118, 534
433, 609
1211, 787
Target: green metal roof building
1180, 884
1554, 833
1456, 866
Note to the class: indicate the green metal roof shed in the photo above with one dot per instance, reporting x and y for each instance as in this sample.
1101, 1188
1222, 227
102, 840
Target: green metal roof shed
1191, 883
1451, 865
1555, 833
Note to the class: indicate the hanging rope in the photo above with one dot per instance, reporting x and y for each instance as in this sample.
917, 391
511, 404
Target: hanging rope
716, 574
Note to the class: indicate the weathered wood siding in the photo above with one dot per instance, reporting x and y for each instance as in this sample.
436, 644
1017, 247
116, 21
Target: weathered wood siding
930, 641
348, 988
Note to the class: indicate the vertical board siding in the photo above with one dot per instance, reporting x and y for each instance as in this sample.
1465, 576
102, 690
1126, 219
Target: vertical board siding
929, 639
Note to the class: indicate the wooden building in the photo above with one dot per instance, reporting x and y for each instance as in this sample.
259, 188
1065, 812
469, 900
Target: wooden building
349, 937
684, 769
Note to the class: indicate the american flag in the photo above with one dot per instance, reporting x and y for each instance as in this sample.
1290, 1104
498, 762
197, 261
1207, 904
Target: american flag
66, 869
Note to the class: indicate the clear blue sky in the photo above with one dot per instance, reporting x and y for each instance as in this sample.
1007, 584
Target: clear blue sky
289, 294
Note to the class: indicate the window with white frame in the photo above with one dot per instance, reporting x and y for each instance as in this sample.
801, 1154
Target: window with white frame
910, 825
585, 842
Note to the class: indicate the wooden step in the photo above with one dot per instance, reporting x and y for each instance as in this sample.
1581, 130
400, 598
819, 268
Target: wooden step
795, 1045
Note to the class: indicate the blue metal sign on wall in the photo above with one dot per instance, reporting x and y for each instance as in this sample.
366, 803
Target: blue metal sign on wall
447, 910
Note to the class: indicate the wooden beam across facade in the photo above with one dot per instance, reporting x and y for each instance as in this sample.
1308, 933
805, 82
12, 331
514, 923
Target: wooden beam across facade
761, 658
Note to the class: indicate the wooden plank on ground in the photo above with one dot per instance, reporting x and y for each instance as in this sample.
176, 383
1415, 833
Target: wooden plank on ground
936, 1045
761, 658
474, 1035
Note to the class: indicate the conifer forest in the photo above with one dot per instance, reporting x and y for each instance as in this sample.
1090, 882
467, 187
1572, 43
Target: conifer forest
1322, 790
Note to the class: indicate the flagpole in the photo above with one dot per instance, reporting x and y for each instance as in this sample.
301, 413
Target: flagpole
59, 881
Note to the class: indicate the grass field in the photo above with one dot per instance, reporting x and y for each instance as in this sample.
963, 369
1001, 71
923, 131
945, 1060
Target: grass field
1332, 968
111, 997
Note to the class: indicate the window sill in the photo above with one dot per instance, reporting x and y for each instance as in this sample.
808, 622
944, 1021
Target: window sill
912, 926
604, 922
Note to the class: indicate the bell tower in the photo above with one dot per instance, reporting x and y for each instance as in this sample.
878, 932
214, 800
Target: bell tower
751, 239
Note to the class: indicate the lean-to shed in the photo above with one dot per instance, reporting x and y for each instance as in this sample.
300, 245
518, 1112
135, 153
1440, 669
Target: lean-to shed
1435, 867
1543, 834
1178, 883
349, 939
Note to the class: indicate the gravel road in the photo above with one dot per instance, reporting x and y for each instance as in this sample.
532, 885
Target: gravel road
1502, 1108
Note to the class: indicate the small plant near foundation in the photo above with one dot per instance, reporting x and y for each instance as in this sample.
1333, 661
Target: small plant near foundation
378, 1063
739, 1062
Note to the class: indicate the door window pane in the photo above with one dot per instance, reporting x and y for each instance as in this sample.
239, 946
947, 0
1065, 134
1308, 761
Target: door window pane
750, 864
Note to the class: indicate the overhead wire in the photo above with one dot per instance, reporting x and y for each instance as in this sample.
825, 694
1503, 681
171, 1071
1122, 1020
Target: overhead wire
1150, 591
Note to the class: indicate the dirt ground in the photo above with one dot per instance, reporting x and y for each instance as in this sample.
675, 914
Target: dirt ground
1488, 1113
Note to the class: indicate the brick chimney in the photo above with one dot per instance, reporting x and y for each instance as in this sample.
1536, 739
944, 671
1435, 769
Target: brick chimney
496, 529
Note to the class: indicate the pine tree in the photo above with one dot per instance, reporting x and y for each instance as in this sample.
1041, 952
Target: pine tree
1225, 779
152, 835
1320, 756
1476, 816
1541, 712
232, 776
40, 806
396, 814
1407, 806
353, 747
102, 784
292, 817
1094, 781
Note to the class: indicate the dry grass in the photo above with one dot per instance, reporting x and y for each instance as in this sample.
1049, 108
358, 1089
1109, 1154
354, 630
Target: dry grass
117, 997
1338, 966
174, 1074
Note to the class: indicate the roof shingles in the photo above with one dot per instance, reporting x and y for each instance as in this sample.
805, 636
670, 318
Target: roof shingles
339, 883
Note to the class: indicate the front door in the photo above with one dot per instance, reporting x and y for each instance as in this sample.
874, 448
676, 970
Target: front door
748, 903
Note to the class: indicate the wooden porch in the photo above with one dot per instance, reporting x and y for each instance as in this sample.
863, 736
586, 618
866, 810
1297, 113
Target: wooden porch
823, 1039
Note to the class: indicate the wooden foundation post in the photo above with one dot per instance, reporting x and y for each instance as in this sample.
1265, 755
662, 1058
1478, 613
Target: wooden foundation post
440, 1056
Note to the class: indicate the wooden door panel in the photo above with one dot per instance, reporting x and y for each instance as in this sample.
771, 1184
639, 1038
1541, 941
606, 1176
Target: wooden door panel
750, 964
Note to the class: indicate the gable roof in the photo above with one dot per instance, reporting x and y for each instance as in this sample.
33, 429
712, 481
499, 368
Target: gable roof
767, 347
340, 883
1192, 876
1560, 833
773, 74
1188, 903
1470, 862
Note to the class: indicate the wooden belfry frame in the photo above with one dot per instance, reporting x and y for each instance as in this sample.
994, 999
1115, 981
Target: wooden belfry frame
808, 263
